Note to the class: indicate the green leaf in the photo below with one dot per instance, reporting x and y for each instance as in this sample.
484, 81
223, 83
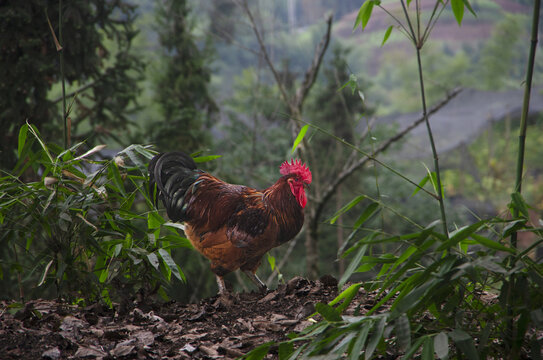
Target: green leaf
115, 176
458, 10
387, 34
271, 260
468, 5
403, 332
491, 244
202, 159
421, 184
347, 296
368, 212
460, 235
441, 345
166, 257
375, 338
361, 340
327, 312
364, 14
346, 208
285, 350
465, 343
353, 265
414, 348
518, 203
23, 132
428, 349
259, 353
300, 137
154, 220
153, 260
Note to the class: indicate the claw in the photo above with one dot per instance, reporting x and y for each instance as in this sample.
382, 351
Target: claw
261, 286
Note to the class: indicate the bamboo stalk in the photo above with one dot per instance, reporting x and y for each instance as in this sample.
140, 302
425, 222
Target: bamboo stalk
525, 109
418, 42
61, 54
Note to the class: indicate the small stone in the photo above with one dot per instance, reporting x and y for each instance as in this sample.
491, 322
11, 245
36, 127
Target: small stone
51, 354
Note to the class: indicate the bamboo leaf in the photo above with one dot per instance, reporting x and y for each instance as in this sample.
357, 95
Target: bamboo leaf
414, 348
427, 349
327, 312
441, 345
468, 5
460, 235
45, 271
95, 149
491, 243
154, 220
346, 208
458, 10
23, 132
403, 332
421, 184
285, 350
387, 34
202, 159
364, 14
300, 137
259, 353
353, 265
347, 296
271, 260
361, 340
153, 260
465, 343
368, 212
375, 338
166, 257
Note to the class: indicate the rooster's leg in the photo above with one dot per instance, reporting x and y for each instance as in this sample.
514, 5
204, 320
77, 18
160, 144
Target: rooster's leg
256, 280
222, 286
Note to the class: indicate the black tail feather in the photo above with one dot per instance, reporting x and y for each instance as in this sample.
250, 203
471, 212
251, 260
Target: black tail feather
170, 176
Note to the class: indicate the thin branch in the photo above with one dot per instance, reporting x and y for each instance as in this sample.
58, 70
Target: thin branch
402, 26
311, 74
77, 91
282, 90
411, 29
348, 171
284, 259
430, 27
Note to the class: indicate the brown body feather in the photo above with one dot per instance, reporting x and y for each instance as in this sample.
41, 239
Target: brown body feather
232, 225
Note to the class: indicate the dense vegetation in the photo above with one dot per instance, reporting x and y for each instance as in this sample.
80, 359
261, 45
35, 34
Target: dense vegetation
77, 222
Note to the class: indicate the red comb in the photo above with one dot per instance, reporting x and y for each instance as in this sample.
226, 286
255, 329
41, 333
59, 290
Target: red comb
296, 167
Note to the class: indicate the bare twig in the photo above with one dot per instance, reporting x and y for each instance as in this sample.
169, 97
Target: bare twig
77, 91
243, 4
313, 70
284, 259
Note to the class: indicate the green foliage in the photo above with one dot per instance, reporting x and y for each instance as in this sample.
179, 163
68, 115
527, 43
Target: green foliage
181, 87
433, 296
83, 228
460, 294
96, 46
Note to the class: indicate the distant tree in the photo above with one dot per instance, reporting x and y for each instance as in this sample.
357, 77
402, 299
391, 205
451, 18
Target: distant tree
181, 87
502, 55
96, 39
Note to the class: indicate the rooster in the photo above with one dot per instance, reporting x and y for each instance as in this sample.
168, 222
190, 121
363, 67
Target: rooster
232, 225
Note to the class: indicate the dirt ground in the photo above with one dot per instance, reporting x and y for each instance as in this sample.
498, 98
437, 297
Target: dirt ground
46, 329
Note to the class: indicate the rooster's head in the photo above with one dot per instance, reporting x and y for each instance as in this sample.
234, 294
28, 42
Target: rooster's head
299, 176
